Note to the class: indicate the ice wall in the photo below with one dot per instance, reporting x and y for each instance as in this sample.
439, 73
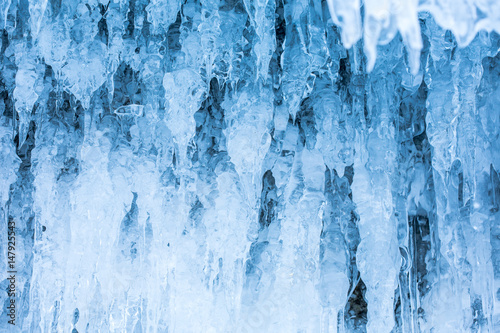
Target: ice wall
250, 166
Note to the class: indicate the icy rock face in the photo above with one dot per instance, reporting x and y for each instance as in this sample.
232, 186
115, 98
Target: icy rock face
250, 166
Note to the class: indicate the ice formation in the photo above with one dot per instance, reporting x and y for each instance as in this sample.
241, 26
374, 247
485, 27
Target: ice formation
250, 166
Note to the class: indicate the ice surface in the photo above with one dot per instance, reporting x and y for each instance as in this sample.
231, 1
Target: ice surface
250, 165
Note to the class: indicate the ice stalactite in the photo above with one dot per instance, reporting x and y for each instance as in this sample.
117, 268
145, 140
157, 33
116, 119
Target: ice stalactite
374, 166
250, 166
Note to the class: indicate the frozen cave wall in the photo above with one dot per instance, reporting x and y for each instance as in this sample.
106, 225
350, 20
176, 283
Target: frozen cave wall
250, 166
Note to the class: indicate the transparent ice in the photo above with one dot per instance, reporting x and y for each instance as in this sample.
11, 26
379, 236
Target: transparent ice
251, 165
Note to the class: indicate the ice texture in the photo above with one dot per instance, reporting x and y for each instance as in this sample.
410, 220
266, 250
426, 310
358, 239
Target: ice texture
250, 165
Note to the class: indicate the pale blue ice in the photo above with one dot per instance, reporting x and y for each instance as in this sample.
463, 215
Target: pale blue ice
250, 166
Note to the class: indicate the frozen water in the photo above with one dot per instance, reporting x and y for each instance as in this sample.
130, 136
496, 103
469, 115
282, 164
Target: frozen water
250, 166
